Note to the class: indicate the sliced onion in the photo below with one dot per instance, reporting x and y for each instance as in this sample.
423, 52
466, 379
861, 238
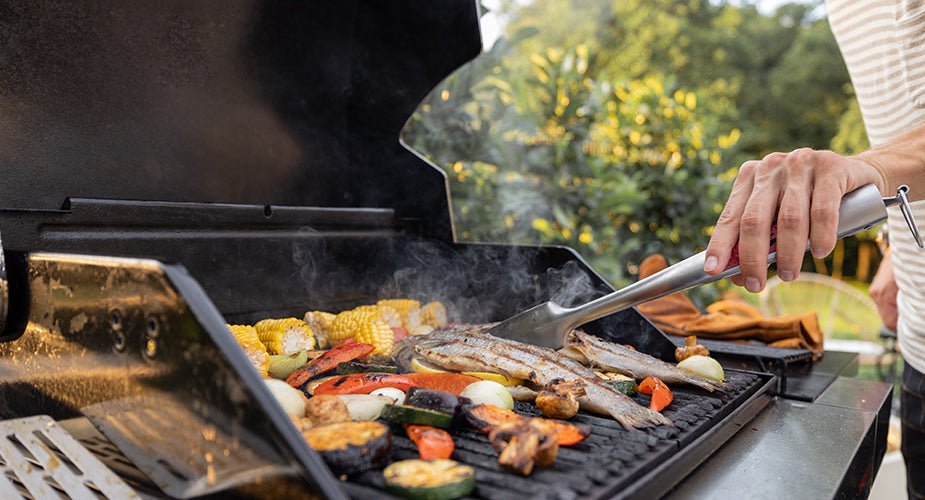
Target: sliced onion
704, 366
397, 395
292, 400
489, 393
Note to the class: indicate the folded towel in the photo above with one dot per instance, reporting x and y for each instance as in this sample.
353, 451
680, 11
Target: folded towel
727, 320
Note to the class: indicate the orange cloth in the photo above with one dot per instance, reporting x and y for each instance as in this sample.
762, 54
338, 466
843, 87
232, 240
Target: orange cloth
727, 320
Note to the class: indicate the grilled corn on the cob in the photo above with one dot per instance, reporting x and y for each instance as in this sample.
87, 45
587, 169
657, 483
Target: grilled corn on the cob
387, 314
363, 324
249, 341
285, 336
320, 322
434, 314
408, 309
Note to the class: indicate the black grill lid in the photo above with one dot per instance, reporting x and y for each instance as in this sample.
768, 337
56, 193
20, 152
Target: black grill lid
284, 103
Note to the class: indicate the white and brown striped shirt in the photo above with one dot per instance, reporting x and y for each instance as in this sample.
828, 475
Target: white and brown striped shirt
883, 44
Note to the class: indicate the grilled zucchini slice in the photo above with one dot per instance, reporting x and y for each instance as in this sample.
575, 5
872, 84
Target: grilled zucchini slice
441, 479
351, 447
418, 416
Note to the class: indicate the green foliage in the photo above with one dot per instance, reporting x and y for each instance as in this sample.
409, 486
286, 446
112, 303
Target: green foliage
616, 127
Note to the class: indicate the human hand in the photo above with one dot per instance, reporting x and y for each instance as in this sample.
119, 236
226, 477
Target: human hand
801, 192
883, 290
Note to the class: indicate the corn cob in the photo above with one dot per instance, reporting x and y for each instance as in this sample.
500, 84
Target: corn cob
387, 314
320, 322
408, 309
434, 314
363, 324
247, 338
285, 336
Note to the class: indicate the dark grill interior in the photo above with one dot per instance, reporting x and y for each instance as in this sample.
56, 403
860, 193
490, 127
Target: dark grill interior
604, 465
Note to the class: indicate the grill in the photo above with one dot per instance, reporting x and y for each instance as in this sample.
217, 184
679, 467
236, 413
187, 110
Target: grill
176, 169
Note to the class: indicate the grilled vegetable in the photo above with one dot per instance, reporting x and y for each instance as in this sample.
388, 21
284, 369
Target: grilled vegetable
282, 365
364, 324
620, 382
419, 416
559, 399
421, 366
703, 366
489, 393
364, 406
323, 410
396, 395
522, 393
421, 330
310, 386
320, 323
354, 367
627, 387
285, 336
409, 310
434, 480
351, 447
431, 399
364, 383
486, 417
691, 348
328, 361
249, 341
525, 443
292, 401
434, 314
432, 443
661, 395
450, 382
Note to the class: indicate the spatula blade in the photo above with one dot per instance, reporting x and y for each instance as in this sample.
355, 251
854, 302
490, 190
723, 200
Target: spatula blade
543, 325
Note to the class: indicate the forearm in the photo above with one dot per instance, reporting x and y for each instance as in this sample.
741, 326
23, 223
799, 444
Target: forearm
901, 161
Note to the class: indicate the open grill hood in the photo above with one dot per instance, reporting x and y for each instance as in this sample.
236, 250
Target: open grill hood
166, 169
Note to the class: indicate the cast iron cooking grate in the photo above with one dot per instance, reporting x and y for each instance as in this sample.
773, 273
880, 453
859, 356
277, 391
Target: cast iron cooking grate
39, 459
609, 461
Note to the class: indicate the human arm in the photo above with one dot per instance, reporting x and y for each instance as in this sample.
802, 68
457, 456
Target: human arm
883, 290
801, 192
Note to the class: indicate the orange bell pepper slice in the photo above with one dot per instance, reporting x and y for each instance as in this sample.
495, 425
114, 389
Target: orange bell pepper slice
661, 395
432, 443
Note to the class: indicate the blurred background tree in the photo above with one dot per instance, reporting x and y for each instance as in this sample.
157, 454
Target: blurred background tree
617, 126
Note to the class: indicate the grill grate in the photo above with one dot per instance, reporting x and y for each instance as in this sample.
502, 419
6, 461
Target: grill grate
39, 459
611, 459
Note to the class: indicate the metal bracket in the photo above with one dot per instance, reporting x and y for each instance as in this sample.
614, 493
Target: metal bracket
902, 199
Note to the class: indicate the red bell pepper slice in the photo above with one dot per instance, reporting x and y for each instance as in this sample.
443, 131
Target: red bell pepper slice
364, 383
432, 443
661, 395
345, 351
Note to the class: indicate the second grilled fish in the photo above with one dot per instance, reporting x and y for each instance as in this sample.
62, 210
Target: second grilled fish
593, 350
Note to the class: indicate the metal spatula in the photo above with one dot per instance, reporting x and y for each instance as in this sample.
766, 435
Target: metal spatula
547, 324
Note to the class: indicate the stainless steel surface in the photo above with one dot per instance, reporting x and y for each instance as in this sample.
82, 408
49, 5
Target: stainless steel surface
797, 450
547, 324
902, 199
39, 459
87, 347
199, 465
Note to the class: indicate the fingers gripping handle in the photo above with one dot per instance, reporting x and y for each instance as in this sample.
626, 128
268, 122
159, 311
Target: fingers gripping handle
859, 210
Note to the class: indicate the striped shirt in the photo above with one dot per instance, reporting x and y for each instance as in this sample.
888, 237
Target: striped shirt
883, 45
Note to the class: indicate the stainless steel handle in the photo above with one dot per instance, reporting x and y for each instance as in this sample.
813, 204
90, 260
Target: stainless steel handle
859, 209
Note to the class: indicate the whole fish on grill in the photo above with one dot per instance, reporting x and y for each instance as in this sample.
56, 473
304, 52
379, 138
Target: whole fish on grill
593, 350
472, 349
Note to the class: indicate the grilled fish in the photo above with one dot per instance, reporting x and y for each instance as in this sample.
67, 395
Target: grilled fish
593, 350
472, 349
